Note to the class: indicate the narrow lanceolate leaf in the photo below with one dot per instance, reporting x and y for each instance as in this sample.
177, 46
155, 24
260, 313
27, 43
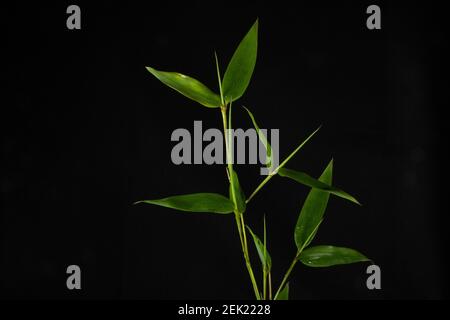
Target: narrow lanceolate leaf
284, 294
327, 256
196, 202
187, 86
312, 211
309, 181
293, 153
263, 183
240, 69
263, 139
219, 79
237, 196
263, 254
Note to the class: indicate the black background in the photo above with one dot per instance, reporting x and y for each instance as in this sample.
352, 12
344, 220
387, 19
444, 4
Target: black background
86, 132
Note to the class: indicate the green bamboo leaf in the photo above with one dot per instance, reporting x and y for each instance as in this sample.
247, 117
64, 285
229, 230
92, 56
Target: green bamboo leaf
284, 294
309, 181
187, 86
312, 211
263, 253
327, 256
196, 202
239, 197
289, 157
240, 69
219, 79
263, 139
263, 183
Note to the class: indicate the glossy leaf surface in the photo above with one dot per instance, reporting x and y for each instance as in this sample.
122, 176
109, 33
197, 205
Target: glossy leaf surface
327, 256
187, 86
196, 202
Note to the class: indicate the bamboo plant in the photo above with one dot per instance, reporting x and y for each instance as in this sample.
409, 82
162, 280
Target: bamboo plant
231, 87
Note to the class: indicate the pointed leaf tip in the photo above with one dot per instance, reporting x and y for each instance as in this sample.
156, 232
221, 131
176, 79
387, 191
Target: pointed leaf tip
312, 211
240, 69
264, 255
262, 138
284, 293
309, 181
196, 202
188, 86
327, 256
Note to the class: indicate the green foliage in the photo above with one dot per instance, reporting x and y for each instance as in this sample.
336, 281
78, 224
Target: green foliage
327, 256
263, 139
284, 293
237, 196
309, 181
263, 254
189, 87
240, 69
232, 87
312, 211
196, 202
